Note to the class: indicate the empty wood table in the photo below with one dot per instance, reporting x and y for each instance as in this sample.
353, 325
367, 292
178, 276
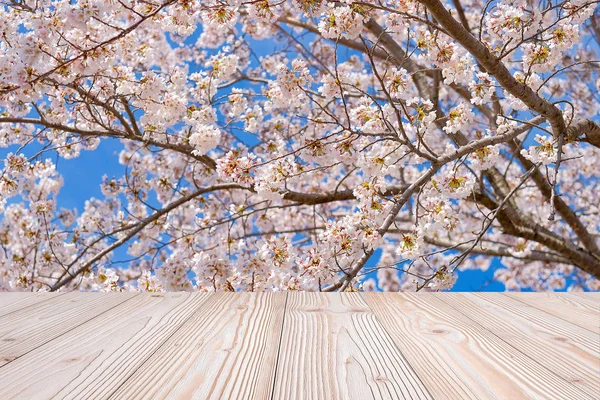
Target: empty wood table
299, 345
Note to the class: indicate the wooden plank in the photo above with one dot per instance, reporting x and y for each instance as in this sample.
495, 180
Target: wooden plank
564, 307
226, 350
30, 327
547, 327
457, 358
568, 351
333, 347
594, 296
94, 359
15, 301
591, 300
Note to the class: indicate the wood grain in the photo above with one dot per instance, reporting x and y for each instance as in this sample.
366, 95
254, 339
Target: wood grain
92, 360
565, 307
226, 351
589, 300
28, 328
457, 358
333, 347
11, 302
568, 351
299, 346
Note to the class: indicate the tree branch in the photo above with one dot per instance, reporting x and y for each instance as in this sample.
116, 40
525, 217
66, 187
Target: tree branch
495, 67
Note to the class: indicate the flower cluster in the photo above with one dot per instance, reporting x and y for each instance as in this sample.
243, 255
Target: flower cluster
204, 138
482, 89
368, 117
340, 22
424, 114
236, 168
398, 82
454, 185
297, 145
544, 152
458, 118
410, 245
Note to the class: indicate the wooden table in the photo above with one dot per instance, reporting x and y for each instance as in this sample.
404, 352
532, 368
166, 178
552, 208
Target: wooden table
299, 346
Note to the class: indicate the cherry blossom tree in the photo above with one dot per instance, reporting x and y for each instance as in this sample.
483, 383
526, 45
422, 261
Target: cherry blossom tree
302, 145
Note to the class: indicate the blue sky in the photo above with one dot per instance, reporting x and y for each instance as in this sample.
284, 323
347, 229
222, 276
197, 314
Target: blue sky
83, 176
